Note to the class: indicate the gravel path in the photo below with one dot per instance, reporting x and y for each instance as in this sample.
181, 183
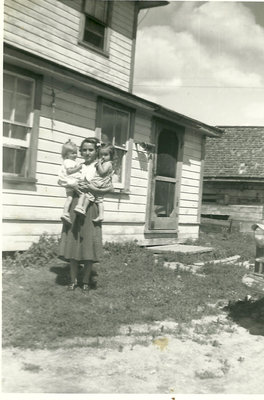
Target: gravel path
210, 356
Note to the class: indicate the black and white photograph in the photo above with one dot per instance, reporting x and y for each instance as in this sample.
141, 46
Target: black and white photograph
132, 198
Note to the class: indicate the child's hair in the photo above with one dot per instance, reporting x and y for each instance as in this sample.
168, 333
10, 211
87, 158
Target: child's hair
68, 146
110, 148
93, 140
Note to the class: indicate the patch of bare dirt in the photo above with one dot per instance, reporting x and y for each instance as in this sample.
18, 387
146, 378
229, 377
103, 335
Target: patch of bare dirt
211, 355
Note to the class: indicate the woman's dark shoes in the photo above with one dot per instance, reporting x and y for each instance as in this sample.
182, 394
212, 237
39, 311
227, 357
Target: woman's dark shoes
93, 280
85, 288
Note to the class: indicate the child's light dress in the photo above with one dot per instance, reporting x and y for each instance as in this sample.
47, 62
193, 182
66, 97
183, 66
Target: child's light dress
100, 182
66, 179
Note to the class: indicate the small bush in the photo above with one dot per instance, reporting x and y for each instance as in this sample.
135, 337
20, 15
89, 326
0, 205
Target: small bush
38, 254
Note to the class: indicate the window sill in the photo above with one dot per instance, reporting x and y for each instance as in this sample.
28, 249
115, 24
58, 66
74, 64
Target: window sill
18, 179
120, 191
101, 52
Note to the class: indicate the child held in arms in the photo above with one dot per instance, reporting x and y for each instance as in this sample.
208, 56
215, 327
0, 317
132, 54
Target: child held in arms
101, 180
69, 176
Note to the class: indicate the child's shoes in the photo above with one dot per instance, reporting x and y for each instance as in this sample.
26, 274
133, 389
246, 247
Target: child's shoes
66, 218
79, 210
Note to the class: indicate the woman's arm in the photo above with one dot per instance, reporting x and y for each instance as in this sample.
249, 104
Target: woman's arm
89, 187
66, 185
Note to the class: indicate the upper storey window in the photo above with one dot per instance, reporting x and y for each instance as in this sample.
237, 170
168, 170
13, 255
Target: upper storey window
94, 23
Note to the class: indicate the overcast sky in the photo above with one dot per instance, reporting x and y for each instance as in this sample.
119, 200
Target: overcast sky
204, 60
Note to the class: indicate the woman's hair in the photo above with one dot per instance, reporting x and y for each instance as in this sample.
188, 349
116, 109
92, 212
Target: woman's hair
109, 147
93, 140
68, 146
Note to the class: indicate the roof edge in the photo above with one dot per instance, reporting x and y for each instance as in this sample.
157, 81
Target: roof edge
203, 128
240, 126
42, 65
150, 4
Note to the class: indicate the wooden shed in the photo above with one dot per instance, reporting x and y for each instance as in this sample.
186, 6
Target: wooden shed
68, 74
234, 176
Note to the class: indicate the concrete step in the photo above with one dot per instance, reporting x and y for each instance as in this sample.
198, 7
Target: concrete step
180, 248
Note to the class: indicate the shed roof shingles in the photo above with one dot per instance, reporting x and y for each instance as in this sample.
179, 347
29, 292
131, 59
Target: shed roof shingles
238, 153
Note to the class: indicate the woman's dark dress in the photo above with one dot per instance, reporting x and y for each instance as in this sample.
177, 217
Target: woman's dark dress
82, 240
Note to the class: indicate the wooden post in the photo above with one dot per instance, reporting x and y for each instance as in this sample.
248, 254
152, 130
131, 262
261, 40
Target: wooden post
98, 133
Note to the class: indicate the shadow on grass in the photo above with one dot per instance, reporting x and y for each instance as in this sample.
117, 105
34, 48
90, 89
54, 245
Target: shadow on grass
249, 315
63, 274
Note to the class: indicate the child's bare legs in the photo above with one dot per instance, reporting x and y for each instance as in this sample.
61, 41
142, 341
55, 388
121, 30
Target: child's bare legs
100, 217
82, 204
66, 214
67, 205
86, 202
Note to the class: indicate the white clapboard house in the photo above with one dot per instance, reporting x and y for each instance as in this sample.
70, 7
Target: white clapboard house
68, 74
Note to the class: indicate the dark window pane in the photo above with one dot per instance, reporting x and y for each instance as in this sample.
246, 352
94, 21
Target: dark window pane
94, 33
14, 161
20, 161
108, 124
19, 132
8, 106
23, 108
24, 86
9, 82
115, 126
6, 128
8, 160
167, 154
164, 198
121, 129
94, 39
118, 165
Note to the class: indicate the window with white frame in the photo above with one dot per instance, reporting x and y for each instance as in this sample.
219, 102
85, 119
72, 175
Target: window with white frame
95, 22
116, 129
19, 94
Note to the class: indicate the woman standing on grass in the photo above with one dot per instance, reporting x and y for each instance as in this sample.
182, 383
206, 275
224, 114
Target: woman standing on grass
81, 242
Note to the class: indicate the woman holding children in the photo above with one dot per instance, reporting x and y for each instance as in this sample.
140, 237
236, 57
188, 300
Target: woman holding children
81, 239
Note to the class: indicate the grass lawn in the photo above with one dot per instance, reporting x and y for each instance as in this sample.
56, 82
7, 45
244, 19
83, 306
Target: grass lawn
38, 311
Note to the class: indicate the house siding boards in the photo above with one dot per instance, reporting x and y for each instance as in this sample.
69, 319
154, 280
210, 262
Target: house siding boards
189, 212
50, 29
